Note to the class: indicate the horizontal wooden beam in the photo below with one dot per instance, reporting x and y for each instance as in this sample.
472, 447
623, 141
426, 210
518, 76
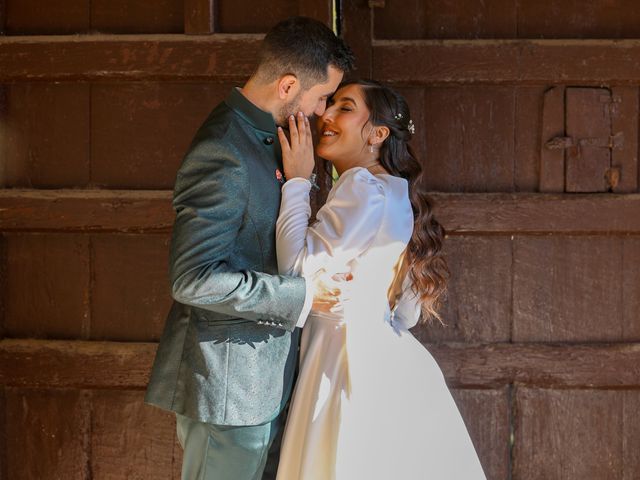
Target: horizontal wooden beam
220, 57
232, 57
83, 364
583, 62
468, 213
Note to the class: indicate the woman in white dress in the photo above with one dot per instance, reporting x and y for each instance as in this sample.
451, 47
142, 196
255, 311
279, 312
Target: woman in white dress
370, 402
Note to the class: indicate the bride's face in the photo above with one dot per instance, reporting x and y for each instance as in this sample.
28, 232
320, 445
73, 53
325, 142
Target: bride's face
344, 128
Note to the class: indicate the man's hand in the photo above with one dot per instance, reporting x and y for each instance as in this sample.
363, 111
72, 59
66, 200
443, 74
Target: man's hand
329, 291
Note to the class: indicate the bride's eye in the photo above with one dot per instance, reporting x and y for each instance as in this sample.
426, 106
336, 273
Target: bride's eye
346, 109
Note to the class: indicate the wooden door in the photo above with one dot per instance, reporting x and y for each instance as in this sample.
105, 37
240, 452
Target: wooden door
542, 320
99, 100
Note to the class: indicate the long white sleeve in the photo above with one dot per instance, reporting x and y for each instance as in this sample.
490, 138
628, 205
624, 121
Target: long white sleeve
407, 311
345, 227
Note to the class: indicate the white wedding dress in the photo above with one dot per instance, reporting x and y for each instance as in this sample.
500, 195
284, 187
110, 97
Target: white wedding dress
370, 402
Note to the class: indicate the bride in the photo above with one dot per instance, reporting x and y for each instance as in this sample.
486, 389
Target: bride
370, 402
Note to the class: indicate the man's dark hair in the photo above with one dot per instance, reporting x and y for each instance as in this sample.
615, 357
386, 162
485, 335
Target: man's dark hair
303, 47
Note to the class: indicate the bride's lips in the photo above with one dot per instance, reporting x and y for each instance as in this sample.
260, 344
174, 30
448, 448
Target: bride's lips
328, 133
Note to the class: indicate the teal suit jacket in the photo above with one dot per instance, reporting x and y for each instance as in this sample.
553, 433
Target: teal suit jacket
229, 349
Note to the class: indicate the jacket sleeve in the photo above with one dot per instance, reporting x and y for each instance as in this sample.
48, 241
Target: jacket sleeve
210, 201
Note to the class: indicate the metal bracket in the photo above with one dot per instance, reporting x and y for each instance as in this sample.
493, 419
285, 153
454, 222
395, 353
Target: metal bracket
612, 142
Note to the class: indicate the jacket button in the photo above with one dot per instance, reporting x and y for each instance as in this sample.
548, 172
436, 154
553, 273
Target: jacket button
268, 141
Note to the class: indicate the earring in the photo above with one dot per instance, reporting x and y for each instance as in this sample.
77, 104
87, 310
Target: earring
370, 148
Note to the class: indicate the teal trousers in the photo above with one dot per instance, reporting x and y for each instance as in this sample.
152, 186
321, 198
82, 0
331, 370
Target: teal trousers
223, 452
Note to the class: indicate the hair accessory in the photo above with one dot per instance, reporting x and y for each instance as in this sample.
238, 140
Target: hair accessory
398, 116
312, 180
279, 177
411, 127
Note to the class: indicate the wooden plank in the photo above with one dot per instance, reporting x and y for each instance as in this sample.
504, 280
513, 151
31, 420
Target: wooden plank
47, 286
130, 295
249, 16
471, 213
141, 16
515, 62
54, 17
552, 162
48, 434
199, 17
82, 364
47, 135
487, 416
575, 434
129, 439
86, 210
321, 10
141, 131
478, 303
630, 287
528, 122
624, 120
564, 286
227, 58
356, 30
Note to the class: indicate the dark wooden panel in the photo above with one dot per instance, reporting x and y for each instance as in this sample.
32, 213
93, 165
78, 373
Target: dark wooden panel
356, 28
139, 16
130, 292
150, 211
141, 131
33, 17
564, 288
46, 137
486, 414
128, 57
552, 160
631, 288
248, 16
624, 120
528, 125
199, 16
36, 420
413, 19
478, 305
533, 62
576, 19
130, 439
47, 286
575, 434
470, 139
587, 118
4, 289
111, 365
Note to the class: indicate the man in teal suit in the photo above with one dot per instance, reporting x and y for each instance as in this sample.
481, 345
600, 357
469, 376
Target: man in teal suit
227, 357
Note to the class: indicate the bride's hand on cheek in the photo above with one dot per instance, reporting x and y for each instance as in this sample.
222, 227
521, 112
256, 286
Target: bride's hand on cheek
297, 153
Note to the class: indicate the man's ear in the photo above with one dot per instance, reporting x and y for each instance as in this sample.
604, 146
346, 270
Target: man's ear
379, 135
288, 86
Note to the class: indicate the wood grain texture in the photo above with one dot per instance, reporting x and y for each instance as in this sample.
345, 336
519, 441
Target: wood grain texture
487, 416
140, 17
515, 62
46, 134
199, 17
46, 18
113, 365
472, 213
356, 31
130, 291
47, 286
48, 434
576, 434
478, 304
528, 133
624, 120
630, 288
223, 58
552, 161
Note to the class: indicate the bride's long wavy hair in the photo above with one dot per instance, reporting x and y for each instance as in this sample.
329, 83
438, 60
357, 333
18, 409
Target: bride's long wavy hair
426, 265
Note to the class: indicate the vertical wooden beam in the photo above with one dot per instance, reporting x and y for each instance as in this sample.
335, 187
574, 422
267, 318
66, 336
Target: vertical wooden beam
552, 159
3, 134
199, 17
624, 121
357, 31
3, 291
319, 9
3, 22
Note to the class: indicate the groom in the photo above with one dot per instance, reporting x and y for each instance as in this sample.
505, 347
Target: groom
226, 360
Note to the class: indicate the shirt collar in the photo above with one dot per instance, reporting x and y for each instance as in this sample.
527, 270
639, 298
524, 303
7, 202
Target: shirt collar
259, 119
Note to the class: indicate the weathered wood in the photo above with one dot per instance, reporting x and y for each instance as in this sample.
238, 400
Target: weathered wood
47, 135
150, 211
52, 426
552, 160
528, 125
356, 31
81, 364
130, 291
86, 210
56, 17
630, 288
319, 9
564, 286
230, 58
576, 434
486, 414
624, 121
199, 16
47, 286
517, 62
478, 303
141, 16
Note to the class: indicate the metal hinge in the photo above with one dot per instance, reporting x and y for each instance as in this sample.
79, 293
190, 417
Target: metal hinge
613, 141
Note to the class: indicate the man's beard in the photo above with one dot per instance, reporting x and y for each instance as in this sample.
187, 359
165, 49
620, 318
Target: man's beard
290, 108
